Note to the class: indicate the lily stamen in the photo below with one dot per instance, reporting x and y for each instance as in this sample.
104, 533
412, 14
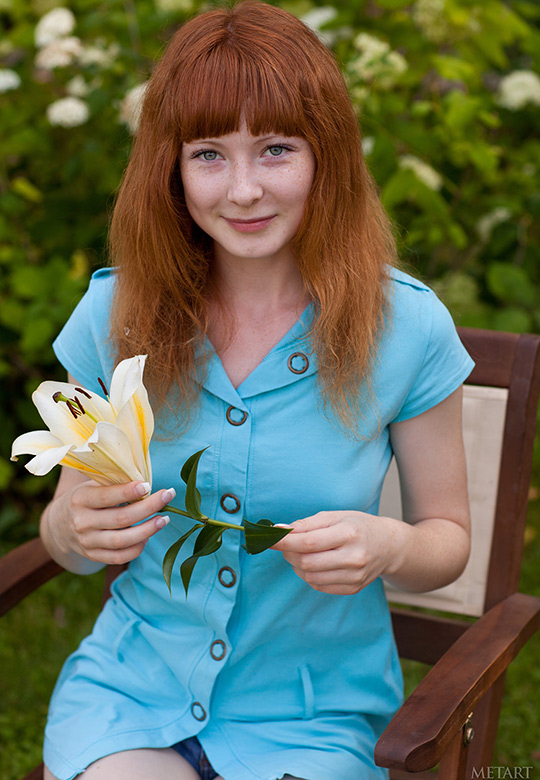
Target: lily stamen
83, 391
74, 405
102, 385
72, 409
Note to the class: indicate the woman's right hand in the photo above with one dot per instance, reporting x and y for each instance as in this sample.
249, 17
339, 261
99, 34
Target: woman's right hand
87, 524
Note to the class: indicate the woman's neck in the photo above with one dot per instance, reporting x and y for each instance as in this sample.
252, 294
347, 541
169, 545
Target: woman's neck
251, 290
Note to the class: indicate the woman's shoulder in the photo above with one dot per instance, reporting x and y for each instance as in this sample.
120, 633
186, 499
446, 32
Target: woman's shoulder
404, 284
102, 281
410, 299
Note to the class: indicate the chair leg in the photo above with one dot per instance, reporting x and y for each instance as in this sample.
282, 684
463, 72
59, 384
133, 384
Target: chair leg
453, 765
485, 723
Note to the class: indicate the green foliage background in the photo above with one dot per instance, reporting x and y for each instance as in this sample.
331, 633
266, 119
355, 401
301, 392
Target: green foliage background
468, 224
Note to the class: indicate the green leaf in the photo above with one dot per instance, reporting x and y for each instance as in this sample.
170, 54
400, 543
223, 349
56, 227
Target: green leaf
189, 475
207, 542
262, 535
191, 462
172, 552
511, 284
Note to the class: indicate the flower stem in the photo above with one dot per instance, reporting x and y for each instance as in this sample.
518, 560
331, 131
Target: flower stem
177, 511
209, 521
203, 519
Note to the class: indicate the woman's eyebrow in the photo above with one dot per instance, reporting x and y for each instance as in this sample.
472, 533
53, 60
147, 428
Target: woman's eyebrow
219, 140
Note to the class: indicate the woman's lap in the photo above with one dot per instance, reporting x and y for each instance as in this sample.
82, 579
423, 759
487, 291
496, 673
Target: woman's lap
155, 764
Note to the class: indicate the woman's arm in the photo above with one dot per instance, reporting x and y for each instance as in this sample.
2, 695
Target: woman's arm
342, 552
86, 525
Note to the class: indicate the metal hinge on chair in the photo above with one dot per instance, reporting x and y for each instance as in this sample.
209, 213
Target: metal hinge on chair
468, 730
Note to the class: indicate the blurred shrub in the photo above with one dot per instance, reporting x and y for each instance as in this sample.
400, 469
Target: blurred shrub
446, 91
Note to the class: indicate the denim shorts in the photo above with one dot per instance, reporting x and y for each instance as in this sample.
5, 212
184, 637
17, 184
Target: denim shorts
191, 750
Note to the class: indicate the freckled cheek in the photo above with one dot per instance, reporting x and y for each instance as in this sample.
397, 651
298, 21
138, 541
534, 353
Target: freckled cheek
200, 195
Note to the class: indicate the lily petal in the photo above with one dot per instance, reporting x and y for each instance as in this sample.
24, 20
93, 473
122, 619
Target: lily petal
108, 451
130, 400
59, 419
47, 460
33, 442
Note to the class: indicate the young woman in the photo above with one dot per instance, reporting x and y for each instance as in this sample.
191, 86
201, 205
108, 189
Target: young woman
255, 268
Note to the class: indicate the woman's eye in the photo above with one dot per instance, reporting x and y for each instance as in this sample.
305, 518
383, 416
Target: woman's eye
207, 154
277, 150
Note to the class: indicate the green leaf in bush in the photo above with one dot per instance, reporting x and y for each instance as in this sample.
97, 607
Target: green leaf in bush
511, 284
512, 319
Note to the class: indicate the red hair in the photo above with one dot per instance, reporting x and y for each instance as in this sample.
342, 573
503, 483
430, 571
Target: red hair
257, 61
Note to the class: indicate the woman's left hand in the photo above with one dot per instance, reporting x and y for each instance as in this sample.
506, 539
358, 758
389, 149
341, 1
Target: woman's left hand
341, 552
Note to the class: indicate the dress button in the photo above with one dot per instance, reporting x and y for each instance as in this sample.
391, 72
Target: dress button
235, 416
218, 650
298, 363
198, 711
227, 577
230, 503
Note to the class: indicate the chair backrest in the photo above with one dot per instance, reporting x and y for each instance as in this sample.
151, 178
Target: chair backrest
500, 410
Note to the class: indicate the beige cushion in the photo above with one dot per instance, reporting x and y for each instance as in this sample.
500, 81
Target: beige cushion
484, 410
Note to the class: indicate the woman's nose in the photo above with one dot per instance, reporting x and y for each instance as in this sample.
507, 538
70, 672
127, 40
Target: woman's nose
244, 185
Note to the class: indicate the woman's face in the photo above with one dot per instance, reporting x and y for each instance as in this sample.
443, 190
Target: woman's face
248, 192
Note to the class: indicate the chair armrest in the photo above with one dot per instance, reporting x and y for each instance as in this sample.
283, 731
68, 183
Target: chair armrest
22, 571
424, 727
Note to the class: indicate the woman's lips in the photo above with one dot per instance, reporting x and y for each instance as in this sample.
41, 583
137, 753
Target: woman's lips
249, 225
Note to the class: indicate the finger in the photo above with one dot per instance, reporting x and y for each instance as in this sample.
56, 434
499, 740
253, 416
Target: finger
130, 537
116, 557
129, 514
103, 496
328, 560
320, 540
333, 577
123, 538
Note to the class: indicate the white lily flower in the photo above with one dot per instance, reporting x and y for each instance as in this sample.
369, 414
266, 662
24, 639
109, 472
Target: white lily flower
108, 440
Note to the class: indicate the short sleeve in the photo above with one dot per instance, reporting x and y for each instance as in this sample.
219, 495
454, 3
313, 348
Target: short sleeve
445, 363
82, 346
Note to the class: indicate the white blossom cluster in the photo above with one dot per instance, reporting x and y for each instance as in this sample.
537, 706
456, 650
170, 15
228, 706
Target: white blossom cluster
429, 17
68, 112
58, 48
131, 107
56, 24
424, 172
376, 61
519, 88
9, 79
59, 53
174, 6
488, 222
368, 144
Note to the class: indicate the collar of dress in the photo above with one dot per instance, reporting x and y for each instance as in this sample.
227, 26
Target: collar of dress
273, 371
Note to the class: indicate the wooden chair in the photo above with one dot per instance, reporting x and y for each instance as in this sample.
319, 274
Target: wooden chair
462, 693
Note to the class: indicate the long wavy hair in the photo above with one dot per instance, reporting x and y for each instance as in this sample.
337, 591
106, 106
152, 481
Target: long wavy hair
259, 62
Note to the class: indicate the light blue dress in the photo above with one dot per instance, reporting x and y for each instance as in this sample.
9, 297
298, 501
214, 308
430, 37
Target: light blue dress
271, 675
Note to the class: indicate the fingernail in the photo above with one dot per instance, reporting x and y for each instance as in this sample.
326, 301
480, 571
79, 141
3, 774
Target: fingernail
282, 525
162, 521
168, 495
143, 488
